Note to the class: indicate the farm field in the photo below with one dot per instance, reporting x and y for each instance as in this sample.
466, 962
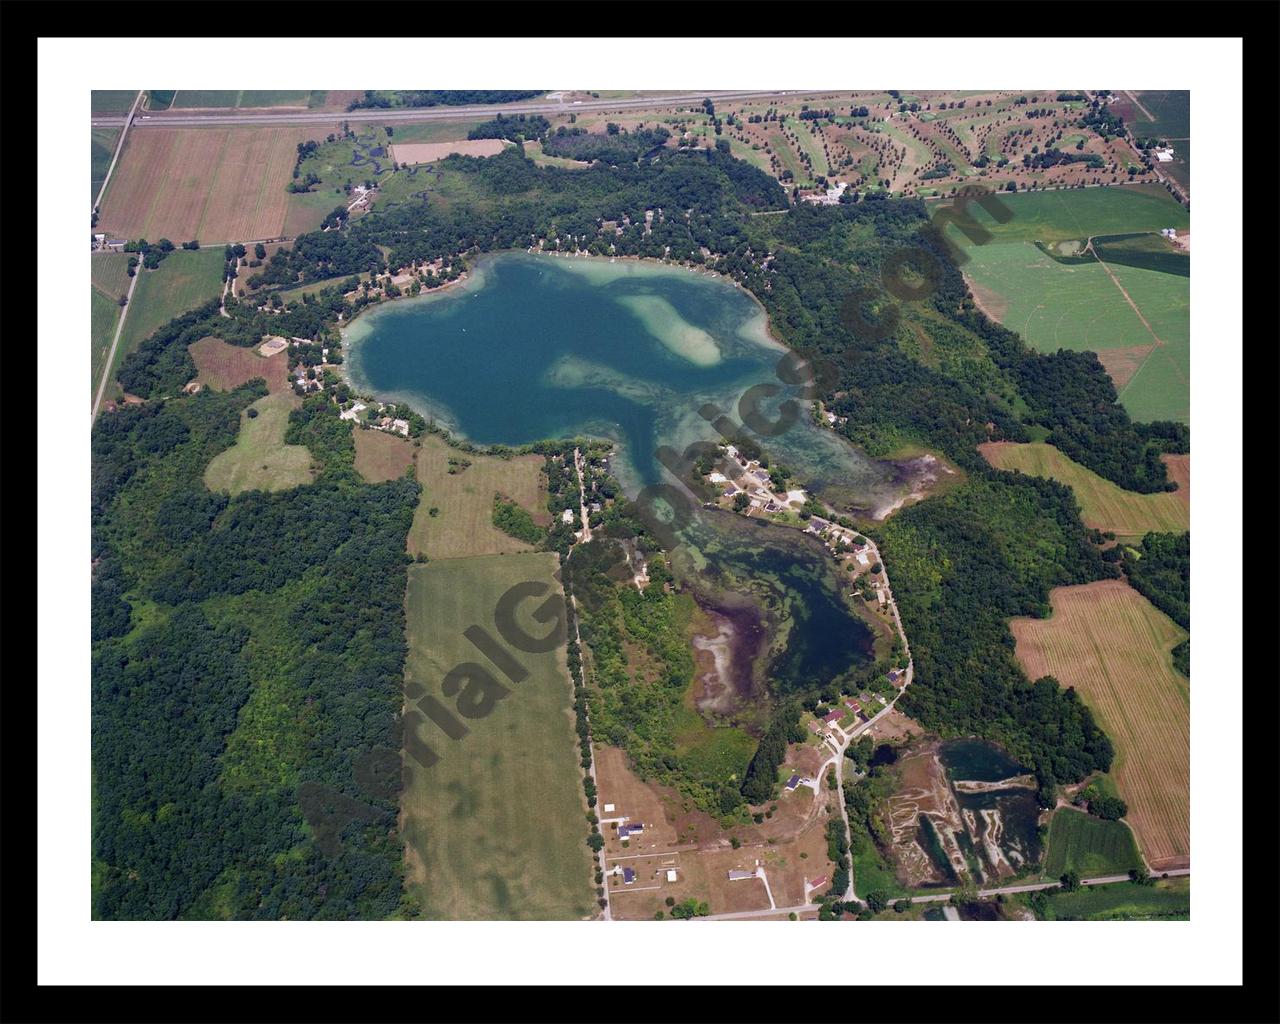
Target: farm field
223, 367
196, 99
102, 148
109, 272
1088, 845
496, 828
1090, 306
183, 281
1160, 387
1168, 900
1060, 215
213, 184
464, 524
381, 456
1103, 505
112, 101
260, 460
1106, 640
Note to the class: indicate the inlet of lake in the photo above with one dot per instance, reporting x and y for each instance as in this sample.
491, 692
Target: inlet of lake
532, 347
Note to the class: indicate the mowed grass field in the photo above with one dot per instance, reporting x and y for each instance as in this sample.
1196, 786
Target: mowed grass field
260, 460
1103, 505
1106, 640
104, 314
102, 148
1168, 900
381, 456
112, 101
463, 525
496, 829
1088, 845
109, 275
212, 184
183, 281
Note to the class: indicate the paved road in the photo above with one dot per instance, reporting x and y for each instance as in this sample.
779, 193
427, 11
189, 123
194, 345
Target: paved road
413, 115
743, 914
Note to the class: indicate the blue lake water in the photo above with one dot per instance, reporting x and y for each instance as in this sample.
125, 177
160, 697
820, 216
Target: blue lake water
533, 347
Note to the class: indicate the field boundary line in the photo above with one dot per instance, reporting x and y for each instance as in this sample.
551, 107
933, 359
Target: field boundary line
116, 156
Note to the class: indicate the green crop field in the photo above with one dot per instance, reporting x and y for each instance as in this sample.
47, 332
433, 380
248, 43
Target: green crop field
1168, 900
183, 281
1088, 306
1089, 846
260, 460
1171, 109
102, 148
496, 828
112, 101
1102, 504
188, 99
1057, 215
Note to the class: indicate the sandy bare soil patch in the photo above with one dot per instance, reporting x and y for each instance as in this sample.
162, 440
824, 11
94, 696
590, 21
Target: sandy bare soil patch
425, 152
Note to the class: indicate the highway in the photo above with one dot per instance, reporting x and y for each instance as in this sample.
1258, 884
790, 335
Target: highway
414, 115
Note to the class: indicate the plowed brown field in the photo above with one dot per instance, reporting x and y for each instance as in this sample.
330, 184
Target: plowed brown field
212, 184
1113, 646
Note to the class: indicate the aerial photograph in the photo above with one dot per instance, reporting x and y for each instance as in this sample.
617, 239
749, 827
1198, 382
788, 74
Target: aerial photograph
624, 505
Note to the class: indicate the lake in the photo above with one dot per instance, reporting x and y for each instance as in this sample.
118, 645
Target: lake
534, 347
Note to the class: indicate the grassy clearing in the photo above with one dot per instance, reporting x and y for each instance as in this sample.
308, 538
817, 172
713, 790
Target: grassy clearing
183, 281
463, 524
1088, 845
1168, 900
496, 829
104, 315
1113, 646
381, 456
1102, 504
260, 460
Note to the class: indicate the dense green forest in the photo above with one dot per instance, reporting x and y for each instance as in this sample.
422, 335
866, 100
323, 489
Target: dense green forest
244, 711
1160, 570
962, 565
248, 652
